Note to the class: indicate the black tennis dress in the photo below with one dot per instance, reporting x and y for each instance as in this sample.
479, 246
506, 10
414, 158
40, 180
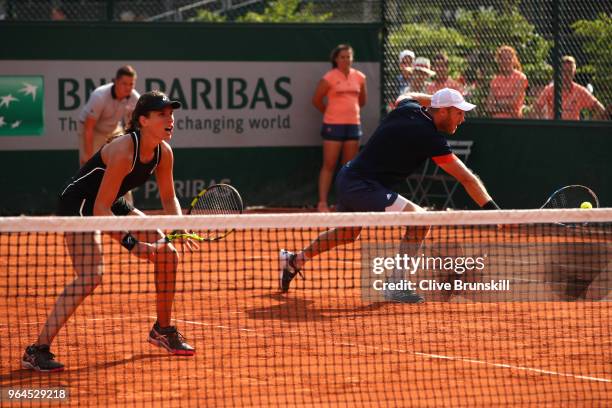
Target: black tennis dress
79, 194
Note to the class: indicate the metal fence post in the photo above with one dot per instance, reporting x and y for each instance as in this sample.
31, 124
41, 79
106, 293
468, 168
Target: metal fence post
383, 57
556, 58
110, 10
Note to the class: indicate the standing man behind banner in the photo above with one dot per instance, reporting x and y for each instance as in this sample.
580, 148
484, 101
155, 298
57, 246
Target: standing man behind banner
109, 107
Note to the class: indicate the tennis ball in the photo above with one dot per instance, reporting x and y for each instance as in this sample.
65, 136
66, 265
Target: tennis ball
586, 205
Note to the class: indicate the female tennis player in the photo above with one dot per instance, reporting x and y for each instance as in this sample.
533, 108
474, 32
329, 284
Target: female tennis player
97, 189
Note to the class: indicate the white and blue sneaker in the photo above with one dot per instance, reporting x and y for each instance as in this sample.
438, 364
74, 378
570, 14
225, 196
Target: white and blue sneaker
288, 270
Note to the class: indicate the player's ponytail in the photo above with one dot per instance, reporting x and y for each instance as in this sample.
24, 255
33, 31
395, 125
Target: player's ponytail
134, 124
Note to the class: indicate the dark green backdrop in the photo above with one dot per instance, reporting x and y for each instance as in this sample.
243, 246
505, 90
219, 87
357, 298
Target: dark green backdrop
521, 162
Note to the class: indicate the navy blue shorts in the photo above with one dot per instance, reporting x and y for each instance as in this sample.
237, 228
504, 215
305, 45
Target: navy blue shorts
70, 205
355, 193
341, 133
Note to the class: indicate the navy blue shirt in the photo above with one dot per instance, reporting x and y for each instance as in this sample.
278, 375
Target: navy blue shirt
403, 141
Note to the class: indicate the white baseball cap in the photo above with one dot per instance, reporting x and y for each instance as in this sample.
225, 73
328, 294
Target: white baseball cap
447, 97
423, 64
404, 54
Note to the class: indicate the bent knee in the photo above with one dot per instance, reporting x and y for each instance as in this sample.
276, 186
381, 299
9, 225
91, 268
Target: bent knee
168, 256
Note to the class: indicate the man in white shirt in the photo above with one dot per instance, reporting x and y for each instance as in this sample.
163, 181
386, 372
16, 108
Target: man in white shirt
109, 107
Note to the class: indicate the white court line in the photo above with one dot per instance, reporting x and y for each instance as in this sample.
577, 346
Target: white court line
385, 349
416, 353
90, 319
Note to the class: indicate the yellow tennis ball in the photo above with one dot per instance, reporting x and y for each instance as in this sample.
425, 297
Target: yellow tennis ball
586, 205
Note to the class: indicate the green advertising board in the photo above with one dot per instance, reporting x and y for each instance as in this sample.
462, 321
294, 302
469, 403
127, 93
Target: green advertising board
246, 92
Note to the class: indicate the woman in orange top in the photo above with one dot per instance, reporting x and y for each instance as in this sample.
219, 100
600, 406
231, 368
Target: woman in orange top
508, 87
345, 89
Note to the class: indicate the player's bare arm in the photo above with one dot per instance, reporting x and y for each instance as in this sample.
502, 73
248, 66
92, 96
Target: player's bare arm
422, 98
165, 181
118, 157
468, 180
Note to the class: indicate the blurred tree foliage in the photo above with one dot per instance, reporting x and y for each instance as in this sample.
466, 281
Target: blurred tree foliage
596, 36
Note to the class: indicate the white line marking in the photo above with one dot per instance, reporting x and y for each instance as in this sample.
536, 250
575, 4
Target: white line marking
386, 349
428, 355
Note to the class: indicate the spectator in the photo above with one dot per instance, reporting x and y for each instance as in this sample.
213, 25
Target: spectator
509, 87
406, 59
109, 107
474, 79
440, 65
575, 98
345, 89
58, 13
127, 16
421, 74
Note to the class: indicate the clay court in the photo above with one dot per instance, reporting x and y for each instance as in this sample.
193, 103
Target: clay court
318, 345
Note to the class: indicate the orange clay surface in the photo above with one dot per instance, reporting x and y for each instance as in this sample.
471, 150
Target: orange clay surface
318, 345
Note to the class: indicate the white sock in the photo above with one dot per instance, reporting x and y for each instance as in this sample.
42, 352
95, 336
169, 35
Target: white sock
300, 260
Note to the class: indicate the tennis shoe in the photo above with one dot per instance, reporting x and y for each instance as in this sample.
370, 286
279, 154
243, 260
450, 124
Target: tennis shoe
403, 296
288, 270
39, 358
170, 339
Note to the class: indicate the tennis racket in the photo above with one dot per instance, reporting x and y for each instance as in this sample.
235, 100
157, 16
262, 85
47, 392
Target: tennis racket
571, 197
217, 199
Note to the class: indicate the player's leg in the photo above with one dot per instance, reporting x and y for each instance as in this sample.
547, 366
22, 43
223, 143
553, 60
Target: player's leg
165, 258
410, 245
85, 250
292, 264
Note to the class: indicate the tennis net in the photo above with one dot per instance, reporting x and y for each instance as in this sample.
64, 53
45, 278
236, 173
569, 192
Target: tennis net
516, 310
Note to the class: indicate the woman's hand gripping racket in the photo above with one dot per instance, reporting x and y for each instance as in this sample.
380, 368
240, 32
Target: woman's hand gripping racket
217, 199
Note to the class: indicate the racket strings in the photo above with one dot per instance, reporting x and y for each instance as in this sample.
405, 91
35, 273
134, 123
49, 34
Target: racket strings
218, 200
572, 197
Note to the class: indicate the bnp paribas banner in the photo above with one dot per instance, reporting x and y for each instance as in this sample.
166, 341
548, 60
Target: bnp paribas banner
225, 103
21, 105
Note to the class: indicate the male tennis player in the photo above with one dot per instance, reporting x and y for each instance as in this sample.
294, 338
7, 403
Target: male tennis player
412, 133
97, 189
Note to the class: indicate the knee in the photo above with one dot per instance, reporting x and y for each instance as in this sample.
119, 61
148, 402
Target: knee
167, 256
90, 282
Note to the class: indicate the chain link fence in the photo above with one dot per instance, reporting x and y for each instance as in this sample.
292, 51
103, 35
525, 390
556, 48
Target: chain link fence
214, 11
502, 54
